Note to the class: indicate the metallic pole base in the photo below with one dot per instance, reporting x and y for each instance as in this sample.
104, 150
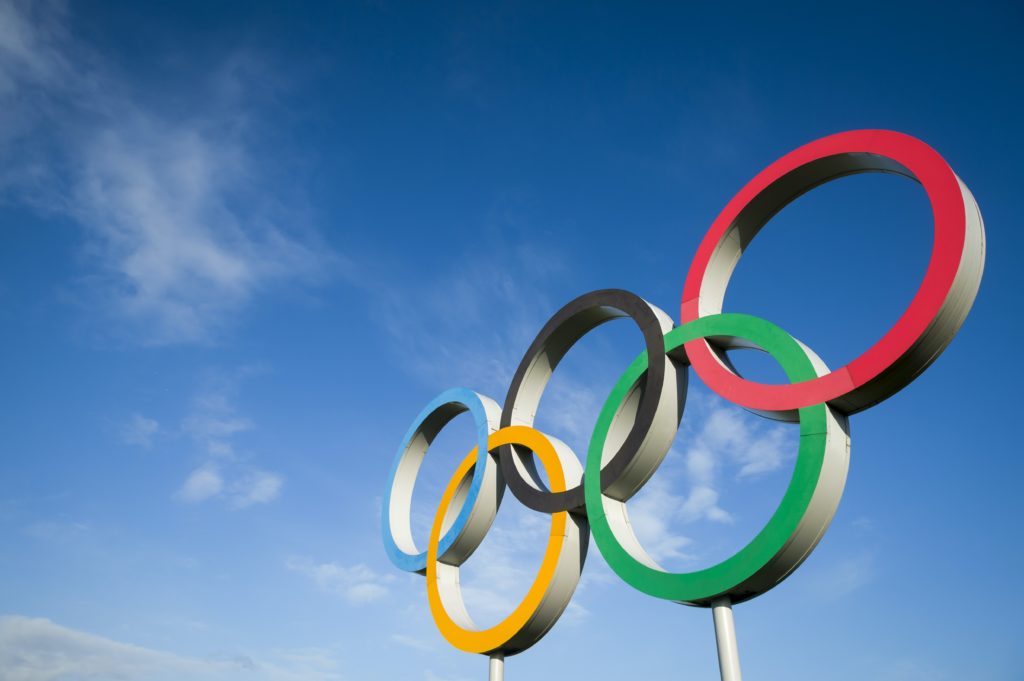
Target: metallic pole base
725, 634
497, 667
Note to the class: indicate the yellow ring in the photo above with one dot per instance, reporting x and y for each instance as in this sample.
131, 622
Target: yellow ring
498, 636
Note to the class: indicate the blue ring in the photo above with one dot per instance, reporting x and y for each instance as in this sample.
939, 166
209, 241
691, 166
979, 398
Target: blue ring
471, 402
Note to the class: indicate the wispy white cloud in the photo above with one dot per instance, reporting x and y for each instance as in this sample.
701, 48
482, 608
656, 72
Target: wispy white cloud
493, 580
356, 583
502, 569
651, 515
29, 34
139, 431
701, 464
203, 483
597, 573
575, 613
727, 442
211, 423
675, 497
255, 487
412, 642
469, 326
57, 531
213, 428
756, 449
213, 418
182, 227
719, 448
249, 486
570, 406
702, 502
37, 649
863, 524
844, 576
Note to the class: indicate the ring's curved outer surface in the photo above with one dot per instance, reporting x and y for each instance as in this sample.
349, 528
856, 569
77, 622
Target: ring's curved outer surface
930, 321
559, 572
657, 414
792, 532
482, 496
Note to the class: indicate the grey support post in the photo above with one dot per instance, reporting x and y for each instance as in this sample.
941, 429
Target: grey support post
725, 634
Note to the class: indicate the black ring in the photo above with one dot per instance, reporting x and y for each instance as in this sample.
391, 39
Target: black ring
561, 332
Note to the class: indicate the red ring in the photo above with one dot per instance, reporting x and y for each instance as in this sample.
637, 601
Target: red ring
860, 383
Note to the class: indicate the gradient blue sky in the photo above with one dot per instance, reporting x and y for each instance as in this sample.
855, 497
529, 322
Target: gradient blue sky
245, 243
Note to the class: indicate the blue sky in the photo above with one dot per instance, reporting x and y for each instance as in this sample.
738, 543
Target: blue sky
245, 244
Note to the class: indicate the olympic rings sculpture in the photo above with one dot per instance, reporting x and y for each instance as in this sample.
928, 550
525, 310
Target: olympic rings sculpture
641, 416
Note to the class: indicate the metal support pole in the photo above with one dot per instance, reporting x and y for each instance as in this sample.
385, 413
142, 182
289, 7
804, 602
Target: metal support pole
497, 667
725, 634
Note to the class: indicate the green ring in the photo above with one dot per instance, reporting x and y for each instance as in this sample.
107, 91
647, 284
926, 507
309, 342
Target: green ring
728, 577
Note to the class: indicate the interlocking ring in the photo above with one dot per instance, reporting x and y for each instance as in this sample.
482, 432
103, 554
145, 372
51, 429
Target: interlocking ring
923, 331
657, 414
802, 517
481, 497
639, 421
559, 571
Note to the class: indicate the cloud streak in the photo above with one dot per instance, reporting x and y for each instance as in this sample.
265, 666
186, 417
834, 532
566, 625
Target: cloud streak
471, 324
842, 577
756, 449
212, 424
356, 583
182, 228
203, 483
37, 649
140, 431
720, 447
